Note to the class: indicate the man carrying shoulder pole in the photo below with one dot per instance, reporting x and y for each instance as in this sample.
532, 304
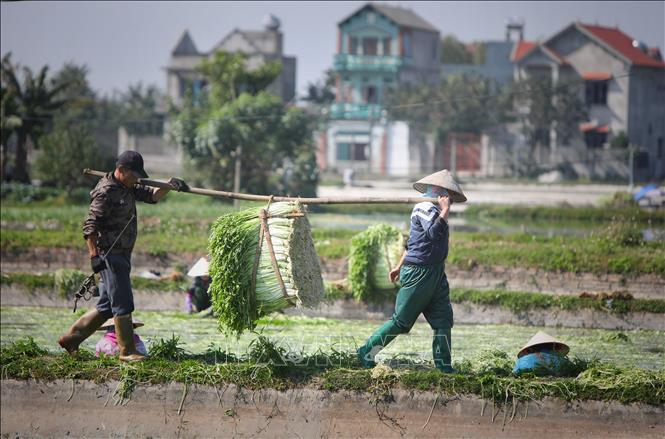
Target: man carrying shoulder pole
110, 231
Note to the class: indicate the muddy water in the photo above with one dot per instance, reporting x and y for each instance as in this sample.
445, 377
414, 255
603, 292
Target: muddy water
643, 348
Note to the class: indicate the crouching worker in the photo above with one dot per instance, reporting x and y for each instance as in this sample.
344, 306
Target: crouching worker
197, 298
421, 271
543, 354
108, 344
110, 231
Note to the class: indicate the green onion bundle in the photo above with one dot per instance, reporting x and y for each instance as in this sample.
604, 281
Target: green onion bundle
374, 253
239, 299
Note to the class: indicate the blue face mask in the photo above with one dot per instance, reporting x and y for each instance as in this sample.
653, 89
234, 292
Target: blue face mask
435, 192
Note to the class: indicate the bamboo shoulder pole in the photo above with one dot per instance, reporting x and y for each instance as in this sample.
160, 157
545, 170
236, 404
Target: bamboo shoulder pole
252, 197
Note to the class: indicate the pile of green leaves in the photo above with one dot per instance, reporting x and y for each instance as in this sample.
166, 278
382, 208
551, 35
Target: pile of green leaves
373, 254
237, 302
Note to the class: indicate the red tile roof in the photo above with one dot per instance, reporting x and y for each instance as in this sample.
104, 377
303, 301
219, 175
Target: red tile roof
522, 48
623, 44
593, 127
596, 76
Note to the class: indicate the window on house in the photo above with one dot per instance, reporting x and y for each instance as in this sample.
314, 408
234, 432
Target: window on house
370, 46
343, 151
386, 47
433, 49
542, 136
351, 151
595, 140
406, 41
353, 46
370, 94
359, 151
596, 92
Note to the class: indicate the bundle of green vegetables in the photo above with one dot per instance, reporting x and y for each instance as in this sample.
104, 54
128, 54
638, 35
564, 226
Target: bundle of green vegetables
67, 281
374, 253
243, 288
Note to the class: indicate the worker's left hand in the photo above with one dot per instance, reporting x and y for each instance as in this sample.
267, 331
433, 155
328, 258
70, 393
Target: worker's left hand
178, 184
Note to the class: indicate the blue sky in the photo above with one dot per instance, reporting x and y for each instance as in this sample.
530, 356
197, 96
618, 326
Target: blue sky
127, 42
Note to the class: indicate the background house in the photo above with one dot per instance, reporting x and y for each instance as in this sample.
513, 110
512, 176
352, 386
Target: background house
622, 83
259, 45
378, 47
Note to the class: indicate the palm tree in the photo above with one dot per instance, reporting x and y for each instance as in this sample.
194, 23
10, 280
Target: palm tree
28, 109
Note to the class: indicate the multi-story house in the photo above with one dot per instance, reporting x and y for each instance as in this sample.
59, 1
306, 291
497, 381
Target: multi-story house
378, 47
622, 83
181, 73
259, 46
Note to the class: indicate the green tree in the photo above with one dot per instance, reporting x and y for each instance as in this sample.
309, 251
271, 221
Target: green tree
322, 92
236, 111
74, 140
457, 104
34, 103
542, 106
138, 111
453, 51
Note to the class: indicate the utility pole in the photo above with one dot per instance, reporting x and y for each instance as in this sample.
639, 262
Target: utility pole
631, 167
236, 176
453, 156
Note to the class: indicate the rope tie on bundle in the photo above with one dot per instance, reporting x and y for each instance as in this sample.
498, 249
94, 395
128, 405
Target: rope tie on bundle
264, 214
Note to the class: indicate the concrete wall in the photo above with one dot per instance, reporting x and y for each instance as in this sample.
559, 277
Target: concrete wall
388, 152
159, 155
497, 65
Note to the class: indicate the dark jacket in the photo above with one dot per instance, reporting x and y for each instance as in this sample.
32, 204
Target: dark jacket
112, 204
428, 236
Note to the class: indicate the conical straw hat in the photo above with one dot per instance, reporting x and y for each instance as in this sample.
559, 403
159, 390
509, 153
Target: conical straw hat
543, 338
442, 179
110, 323
199, 269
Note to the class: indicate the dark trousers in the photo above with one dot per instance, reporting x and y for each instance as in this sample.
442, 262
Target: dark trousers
115, 289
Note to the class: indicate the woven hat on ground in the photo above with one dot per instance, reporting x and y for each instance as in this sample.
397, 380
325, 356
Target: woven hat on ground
199, 269
542, 338
442, 179
110, 323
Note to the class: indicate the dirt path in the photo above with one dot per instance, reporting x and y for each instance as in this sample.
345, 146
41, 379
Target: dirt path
85, 409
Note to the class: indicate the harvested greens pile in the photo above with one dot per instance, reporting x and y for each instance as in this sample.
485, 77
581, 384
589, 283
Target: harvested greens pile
238, 299
374, 253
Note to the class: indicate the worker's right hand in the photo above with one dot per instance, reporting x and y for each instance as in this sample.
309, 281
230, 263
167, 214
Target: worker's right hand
394, 274
97, 264
444, 202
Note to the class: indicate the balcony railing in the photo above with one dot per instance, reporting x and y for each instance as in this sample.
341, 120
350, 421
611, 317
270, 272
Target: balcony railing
355, 111
367, 63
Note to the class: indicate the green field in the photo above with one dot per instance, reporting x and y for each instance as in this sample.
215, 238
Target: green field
182, 225
642, 348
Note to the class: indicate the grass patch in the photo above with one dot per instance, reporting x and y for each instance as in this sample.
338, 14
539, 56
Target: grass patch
564, 213
32, 282
267, 365
518, 301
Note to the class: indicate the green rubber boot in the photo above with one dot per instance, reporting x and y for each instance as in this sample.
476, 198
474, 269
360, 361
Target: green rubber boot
379, 340
441, 346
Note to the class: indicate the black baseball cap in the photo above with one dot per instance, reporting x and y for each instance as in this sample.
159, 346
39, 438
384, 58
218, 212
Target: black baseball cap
133, 161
